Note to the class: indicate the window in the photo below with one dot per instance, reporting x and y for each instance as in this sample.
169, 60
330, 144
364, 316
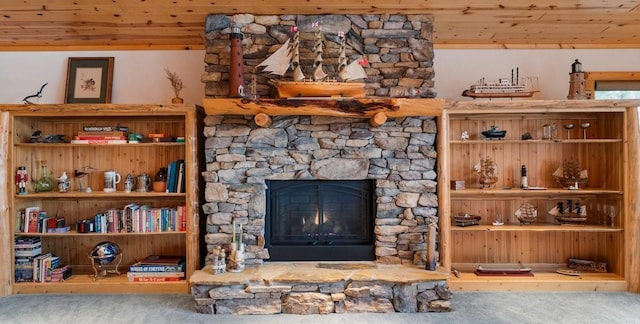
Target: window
613, 85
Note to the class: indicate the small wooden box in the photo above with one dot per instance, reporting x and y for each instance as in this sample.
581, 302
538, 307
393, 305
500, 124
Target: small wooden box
457, 185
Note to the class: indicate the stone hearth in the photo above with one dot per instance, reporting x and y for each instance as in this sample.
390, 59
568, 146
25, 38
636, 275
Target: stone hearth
321, 288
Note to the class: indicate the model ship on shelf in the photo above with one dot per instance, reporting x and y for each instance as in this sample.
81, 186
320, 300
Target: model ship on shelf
487, 172
570, 175
504, 87
494, 133
572, 213
288, 57
526, 214
466, 219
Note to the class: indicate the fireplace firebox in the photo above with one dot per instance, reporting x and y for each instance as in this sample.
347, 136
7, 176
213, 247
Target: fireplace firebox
320, 220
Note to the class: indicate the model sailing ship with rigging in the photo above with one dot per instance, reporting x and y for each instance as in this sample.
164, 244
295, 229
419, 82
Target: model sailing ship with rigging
288, 57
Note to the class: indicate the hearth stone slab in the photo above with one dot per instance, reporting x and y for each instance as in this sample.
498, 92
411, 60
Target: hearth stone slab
319, 288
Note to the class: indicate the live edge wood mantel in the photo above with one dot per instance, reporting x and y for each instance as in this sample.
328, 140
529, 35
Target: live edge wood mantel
377, 110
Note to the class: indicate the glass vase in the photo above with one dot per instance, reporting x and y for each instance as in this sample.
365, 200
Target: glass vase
45, 181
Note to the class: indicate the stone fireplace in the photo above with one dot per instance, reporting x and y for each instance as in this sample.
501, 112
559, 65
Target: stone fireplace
398, 157
249, 164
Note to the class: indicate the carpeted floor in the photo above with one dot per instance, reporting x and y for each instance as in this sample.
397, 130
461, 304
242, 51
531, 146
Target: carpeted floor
469, 307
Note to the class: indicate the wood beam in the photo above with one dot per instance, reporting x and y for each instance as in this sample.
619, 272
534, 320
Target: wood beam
380, 108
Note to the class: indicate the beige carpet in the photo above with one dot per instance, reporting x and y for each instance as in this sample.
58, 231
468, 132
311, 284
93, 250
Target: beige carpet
469, 307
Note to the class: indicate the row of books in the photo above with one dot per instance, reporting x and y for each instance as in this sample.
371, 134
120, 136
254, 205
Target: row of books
33, 266
134, 218
101, 135
175, 176
34, 220
157, 268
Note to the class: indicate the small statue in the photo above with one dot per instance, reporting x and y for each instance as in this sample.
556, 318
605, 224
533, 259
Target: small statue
465, 135
21, 180
63, 182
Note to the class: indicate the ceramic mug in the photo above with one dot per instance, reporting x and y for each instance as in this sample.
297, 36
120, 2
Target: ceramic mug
111, 180
63, 185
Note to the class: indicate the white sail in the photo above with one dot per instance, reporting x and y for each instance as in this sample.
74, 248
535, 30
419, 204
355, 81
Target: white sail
342, 57
295, 58
278, 63
353, 71
318, 72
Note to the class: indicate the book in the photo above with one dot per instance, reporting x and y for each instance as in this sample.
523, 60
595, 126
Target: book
180, 181
105, 129
162, 260
154, 279
171, 176
99, 141
32, 252
98, 137
137, 267
102, 133
32, 215
59, 229
133, 274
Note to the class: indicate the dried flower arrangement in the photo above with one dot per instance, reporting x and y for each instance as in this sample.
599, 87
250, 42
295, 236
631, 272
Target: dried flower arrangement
176, 82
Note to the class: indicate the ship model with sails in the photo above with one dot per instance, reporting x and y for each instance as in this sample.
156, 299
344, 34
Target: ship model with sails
287, 57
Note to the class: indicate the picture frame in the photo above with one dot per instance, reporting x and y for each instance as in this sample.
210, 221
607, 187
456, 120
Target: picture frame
89, 80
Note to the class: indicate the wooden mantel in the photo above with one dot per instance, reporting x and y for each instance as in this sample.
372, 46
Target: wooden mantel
377, 110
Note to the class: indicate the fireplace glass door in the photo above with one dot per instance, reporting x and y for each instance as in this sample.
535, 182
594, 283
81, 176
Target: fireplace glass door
320, 220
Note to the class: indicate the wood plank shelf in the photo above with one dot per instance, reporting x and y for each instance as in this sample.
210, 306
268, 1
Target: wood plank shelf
66, 145
550, 193
84, 284
375, 109
559, 141
75, 233
541, 281
536, 228
99, 194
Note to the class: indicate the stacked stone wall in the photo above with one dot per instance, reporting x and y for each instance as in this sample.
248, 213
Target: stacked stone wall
398, 49
400, 155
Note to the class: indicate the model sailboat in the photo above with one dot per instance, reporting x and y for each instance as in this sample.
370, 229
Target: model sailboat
288, 57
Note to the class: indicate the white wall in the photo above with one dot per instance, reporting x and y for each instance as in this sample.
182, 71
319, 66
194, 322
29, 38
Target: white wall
456, 70
139, 76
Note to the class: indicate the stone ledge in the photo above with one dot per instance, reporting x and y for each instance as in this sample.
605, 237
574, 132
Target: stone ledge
305, 288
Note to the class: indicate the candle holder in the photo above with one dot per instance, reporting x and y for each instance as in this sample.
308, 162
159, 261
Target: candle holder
584, 127
569, 127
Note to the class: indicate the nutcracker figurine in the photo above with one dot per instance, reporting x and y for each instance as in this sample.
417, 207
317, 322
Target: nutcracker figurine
21, 180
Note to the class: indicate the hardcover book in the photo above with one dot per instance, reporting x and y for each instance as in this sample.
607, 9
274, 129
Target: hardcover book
162, 260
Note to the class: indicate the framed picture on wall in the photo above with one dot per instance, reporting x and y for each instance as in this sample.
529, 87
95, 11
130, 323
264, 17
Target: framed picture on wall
89, 80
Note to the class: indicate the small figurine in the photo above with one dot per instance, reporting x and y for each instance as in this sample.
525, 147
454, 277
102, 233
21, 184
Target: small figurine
63, 182
21, 180
464, 136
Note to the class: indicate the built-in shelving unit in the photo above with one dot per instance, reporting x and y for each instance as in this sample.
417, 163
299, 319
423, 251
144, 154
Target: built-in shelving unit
545, 245
73, 247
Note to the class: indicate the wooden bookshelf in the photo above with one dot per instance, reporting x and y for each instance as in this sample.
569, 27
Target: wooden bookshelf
73, 248
545, 245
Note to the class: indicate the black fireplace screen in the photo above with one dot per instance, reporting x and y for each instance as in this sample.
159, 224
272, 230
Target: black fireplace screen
320, 220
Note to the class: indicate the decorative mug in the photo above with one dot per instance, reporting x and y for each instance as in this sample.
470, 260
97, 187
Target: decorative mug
63, 185
144, 182
111, 180
129, 183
